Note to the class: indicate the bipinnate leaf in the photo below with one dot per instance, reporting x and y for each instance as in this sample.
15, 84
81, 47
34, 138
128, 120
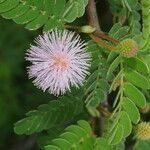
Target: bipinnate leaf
49, 115
47, 13
97, 86
74, 137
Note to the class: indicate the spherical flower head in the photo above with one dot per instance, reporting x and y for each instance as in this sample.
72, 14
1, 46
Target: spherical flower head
128, 48
143, 130
59, 61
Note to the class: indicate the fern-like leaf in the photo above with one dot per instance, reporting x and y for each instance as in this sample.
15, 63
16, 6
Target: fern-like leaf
97, 86
75, 137
49, 115
131, 77
37, 13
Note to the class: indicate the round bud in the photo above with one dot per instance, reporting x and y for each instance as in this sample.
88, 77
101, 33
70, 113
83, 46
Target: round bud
143, 130
128, 48
87, 29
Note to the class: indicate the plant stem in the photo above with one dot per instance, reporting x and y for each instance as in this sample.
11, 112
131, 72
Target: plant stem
94, 22
97, 34
106, 36
102, 43
92, 15
104, 112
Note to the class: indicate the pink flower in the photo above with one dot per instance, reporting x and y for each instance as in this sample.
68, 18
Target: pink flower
58, 61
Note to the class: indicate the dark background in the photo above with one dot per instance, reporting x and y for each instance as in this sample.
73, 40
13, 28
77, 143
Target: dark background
17, 93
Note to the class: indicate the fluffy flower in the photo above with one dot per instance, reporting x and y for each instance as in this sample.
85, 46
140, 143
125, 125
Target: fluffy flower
59, 60
128, 48
143, 130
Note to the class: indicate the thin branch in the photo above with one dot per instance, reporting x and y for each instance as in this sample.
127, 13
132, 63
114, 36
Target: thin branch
99, 34
104, 111
92, 15
102, 43
105, 36
94, 22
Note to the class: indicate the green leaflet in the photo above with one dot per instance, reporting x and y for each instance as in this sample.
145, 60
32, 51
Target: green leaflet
115, 28
37, 13
93, 111
126, 124
102, 144
58, 8
117, 135
113, 66
145, 37
96, 92
120, 146
38, 22
71, 12
75, 137
94, 82
130, 4
142, 145
52, 147
90, 81
111, 56
131, 110
131, 7
137, 64
117, 31
96, 97
46, 138
74, 9
137, 79
52, 23
15, 13
135, 23
121, 32
62, 143
116, 80
2, 1
120, 129
27, 17
49, 115
8, 5
103, 84
134, 94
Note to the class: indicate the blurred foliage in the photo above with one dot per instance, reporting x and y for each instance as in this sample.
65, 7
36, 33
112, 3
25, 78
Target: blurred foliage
17, 93
111, 72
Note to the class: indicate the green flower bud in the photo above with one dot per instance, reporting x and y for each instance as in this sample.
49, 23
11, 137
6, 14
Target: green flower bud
143, 131
87, 29
128, 48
